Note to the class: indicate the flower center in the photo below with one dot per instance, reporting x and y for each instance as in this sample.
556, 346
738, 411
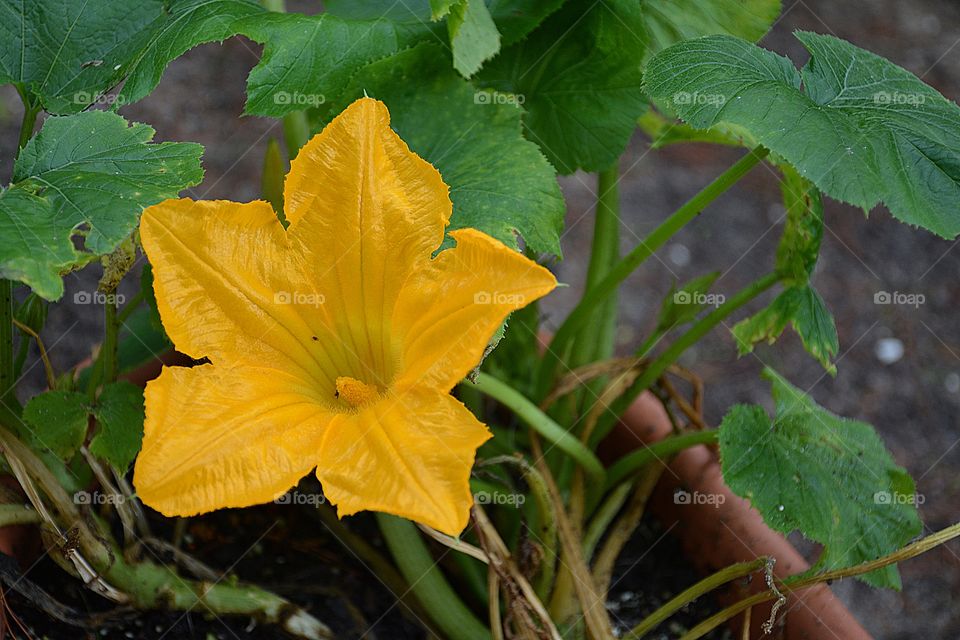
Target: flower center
355, 392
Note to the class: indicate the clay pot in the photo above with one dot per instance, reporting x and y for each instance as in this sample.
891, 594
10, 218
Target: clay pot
728, 531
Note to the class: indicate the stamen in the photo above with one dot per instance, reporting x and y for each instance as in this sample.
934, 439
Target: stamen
354, 392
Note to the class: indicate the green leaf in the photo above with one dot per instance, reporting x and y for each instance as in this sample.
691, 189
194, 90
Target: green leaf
119, 412
57, 421
69, 53
578, 77
667, 22
684, 304
804, 309
183, 26
34, 247
499, 182
440, 8
826, 476
89, 169
514, 18
862, 129
799, 245
473, 36
308, 60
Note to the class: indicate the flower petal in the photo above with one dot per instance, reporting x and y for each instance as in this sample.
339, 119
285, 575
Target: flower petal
227, 282
448, 312
409, 454
217, 437
367, 212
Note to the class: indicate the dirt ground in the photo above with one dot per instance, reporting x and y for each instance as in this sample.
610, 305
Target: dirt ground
911, 397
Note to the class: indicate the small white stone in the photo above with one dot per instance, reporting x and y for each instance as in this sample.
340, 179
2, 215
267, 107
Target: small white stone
952, 382
888, 350
679, 255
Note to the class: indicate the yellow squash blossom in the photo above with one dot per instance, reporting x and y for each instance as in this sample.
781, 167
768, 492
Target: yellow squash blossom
333, 343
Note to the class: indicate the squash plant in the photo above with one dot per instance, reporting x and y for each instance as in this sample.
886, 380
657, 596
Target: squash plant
395, 261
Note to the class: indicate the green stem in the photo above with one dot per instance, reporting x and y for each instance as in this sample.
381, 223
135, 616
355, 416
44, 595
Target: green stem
427, 582
7, 364
110, 331
624, 267
595, 340
634, 462
687, 596
541, 423
11, 514
129, 308
660, 364
605, 514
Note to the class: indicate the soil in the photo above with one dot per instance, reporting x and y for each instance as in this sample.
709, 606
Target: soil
913, 399
287, 549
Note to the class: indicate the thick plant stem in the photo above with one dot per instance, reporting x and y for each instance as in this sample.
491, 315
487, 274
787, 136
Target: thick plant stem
143, 584
541, 423
659, 365
7, 378
110, 332
596, 340
423, 575
687, 596
582, 313
11, 514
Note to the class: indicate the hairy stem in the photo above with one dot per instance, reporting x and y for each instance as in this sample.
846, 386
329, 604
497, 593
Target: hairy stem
792, 585
687, 596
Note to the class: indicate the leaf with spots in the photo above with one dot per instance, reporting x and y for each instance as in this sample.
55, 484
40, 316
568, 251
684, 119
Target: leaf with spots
87, 175
828, 477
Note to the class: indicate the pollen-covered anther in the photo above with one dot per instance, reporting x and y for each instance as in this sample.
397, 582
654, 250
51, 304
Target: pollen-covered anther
355, 392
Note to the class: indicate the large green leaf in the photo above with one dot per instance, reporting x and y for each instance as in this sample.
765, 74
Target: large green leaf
804, 309
514, 18
119, 413
184, 25
666, 22
862, 129
308, 60
578, 77
68, 53
91, 170
57, 421
826, 476
499, 182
